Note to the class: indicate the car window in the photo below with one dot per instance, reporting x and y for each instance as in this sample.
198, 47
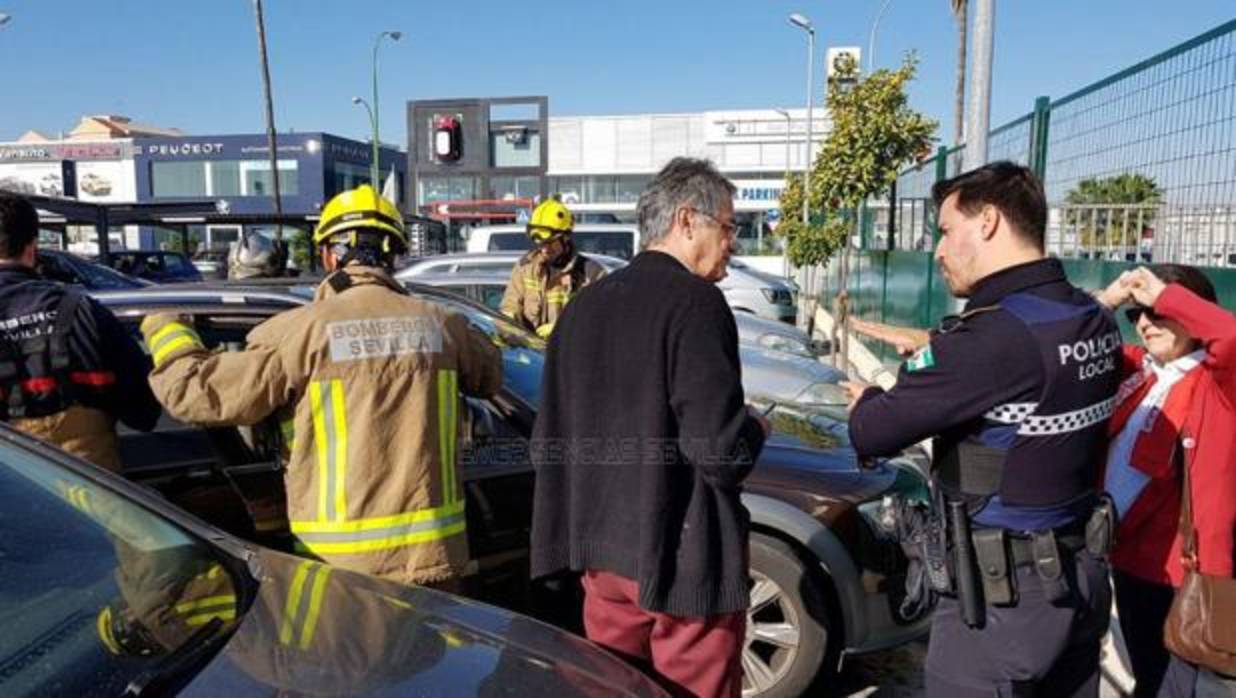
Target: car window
491, 296
522, 352
616, 243
504, 242
54, 268
96, 589
174, 262
466, 267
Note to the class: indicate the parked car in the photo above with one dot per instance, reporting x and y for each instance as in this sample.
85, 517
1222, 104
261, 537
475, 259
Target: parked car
746, 291
211, 264
612, 239
69, 268
828, 582
780, 365
156, 265
110, 589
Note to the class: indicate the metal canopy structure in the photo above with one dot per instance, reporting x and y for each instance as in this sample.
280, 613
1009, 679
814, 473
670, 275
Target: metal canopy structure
56, 212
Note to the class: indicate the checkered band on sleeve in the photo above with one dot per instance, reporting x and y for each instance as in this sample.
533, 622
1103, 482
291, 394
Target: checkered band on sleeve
1011, 413
1045, 425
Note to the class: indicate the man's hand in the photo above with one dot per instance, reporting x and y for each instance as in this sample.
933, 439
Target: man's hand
1143, 286
854, 390
906, 340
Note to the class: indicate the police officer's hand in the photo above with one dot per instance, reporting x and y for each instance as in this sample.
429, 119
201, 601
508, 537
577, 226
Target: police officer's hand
1144, 286
854, 390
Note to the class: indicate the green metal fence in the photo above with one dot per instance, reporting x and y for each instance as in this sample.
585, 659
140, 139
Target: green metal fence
1170, 118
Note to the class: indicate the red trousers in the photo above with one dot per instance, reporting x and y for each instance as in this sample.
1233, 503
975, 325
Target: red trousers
700, 656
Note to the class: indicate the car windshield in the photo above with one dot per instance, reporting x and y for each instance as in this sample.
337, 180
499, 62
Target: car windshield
95, 589
615, 243
71, 270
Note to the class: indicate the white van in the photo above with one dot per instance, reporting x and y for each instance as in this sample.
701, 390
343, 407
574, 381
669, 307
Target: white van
613, 239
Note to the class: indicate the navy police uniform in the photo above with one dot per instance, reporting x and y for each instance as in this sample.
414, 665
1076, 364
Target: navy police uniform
68, 369
1017, 391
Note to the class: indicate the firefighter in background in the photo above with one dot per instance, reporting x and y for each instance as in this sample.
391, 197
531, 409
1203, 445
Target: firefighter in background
370, 379
546, 278
68, 368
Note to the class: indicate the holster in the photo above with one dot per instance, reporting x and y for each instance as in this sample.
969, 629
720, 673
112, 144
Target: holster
992, 555
1101, 528
1049, 565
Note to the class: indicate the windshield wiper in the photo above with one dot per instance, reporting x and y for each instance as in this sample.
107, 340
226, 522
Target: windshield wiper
186, 658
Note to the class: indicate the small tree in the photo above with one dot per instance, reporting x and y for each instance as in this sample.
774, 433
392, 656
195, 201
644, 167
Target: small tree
1108, 209
874, 135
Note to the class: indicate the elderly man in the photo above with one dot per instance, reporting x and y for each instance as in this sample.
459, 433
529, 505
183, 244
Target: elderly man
643, 441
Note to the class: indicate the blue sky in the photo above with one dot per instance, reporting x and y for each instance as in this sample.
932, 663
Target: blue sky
193, 64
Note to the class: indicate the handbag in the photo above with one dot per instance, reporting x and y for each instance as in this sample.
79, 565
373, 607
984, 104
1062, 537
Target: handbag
1201, 625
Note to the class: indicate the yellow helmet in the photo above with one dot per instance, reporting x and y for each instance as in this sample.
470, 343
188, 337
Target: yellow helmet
360, 209
551, 219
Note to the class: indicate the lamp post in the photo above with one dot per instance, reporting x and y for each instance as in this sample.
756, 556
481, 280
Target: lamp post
803, 23
368, 109
270, 118
373, 167
786, 114
871, 64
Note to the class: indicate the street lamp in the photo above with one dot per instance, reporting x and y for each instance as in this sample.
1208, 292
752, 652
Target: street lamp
373, 167
803, 23
361, 101
871, 40
786, 113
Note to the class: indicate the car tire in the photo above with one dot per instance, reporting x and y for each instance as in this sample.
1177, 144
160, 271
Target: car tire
793, 632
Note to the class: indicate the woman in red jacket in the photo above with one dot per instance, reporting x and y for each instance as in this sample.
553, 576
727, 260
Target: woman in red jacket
1176, 406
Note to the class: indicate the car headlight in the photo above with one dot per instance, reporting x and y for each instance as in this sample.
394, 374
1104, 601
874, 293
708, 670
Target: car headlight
785, 343
823, 394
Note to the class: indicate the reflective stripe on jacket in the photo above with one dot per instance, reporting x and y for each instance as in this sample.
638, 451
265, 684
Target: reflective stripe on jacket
374, 379
537, 292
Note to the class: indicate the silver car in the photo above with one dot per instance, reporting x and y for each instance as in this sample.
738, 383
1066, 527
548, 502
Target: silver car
769, 373
750, 293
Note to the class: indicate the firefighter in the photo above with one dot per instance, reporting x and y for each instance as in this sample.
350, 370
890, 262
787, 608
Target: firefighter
68, 368
546, 278
367, 382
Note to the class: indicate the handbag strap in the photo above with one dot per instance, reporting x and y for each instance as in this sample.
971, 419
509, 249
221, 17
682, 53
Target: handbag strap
1187, 530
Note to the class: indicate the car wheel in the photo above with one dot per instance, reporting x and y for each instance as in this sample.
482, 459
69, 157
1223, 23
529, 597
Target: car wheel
788, 639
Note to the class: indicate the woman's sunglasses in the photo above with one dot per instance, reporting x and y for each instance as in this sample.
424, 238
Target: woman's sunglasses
1135, 313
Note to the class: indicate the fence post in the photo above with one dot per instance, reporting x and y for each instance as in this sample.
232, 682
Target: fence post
1038, 136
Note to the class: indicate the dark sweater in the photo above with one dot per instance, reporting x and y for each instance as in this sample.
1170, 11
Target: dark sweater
643, 440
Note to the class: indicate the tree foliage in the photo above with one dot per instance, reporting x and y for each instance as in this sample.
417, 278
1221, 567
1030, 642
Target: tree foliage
1113, 211
874, 134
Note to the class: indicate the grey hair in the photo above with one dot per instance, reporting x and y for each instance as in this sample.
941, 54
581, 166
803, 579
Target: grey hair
683, 182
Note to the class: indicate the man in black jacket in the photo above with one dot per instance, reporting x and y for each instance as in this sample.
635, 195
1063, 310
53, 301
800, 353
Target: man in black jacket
68, 369
643, 441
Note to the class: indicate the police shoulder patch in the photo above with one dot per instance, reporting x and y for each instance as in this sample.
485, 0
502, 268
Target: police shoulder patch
921, 359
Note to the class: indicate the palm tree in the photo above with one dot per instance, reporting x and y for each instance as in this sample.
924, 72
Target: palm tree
959, 103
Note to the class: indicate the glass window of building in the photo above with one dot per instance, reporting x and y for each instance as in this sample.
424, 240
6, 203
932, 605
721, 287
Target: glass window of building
514, 187
433, 189
178, 179
571, 188
347, 176
627, 188
600, 190
224, 178
515, 148
257, 182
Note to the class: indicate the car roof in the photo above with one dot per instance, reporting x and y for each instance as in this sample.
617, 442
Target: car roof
609, 262
579, 228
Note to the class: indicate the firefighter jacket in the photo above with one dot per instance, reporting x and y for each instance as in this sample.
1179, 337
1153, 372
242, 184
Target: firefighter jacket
538, 292
371, 379
68, 368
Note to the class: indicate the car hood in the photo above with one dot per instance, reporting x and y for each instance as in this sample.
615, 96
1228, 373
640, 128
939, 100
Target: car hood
779, 376
318, 630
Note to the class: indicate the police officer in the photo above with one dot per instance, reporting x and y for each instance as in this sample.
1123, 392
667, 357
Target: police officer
546, 278
367, 380
1016, 390
68, 369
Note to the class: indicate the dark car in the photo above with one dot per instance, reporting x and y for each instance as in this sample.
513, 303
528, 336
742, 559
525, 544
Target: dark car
156, 265
109, 589
827, 580
68, 268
